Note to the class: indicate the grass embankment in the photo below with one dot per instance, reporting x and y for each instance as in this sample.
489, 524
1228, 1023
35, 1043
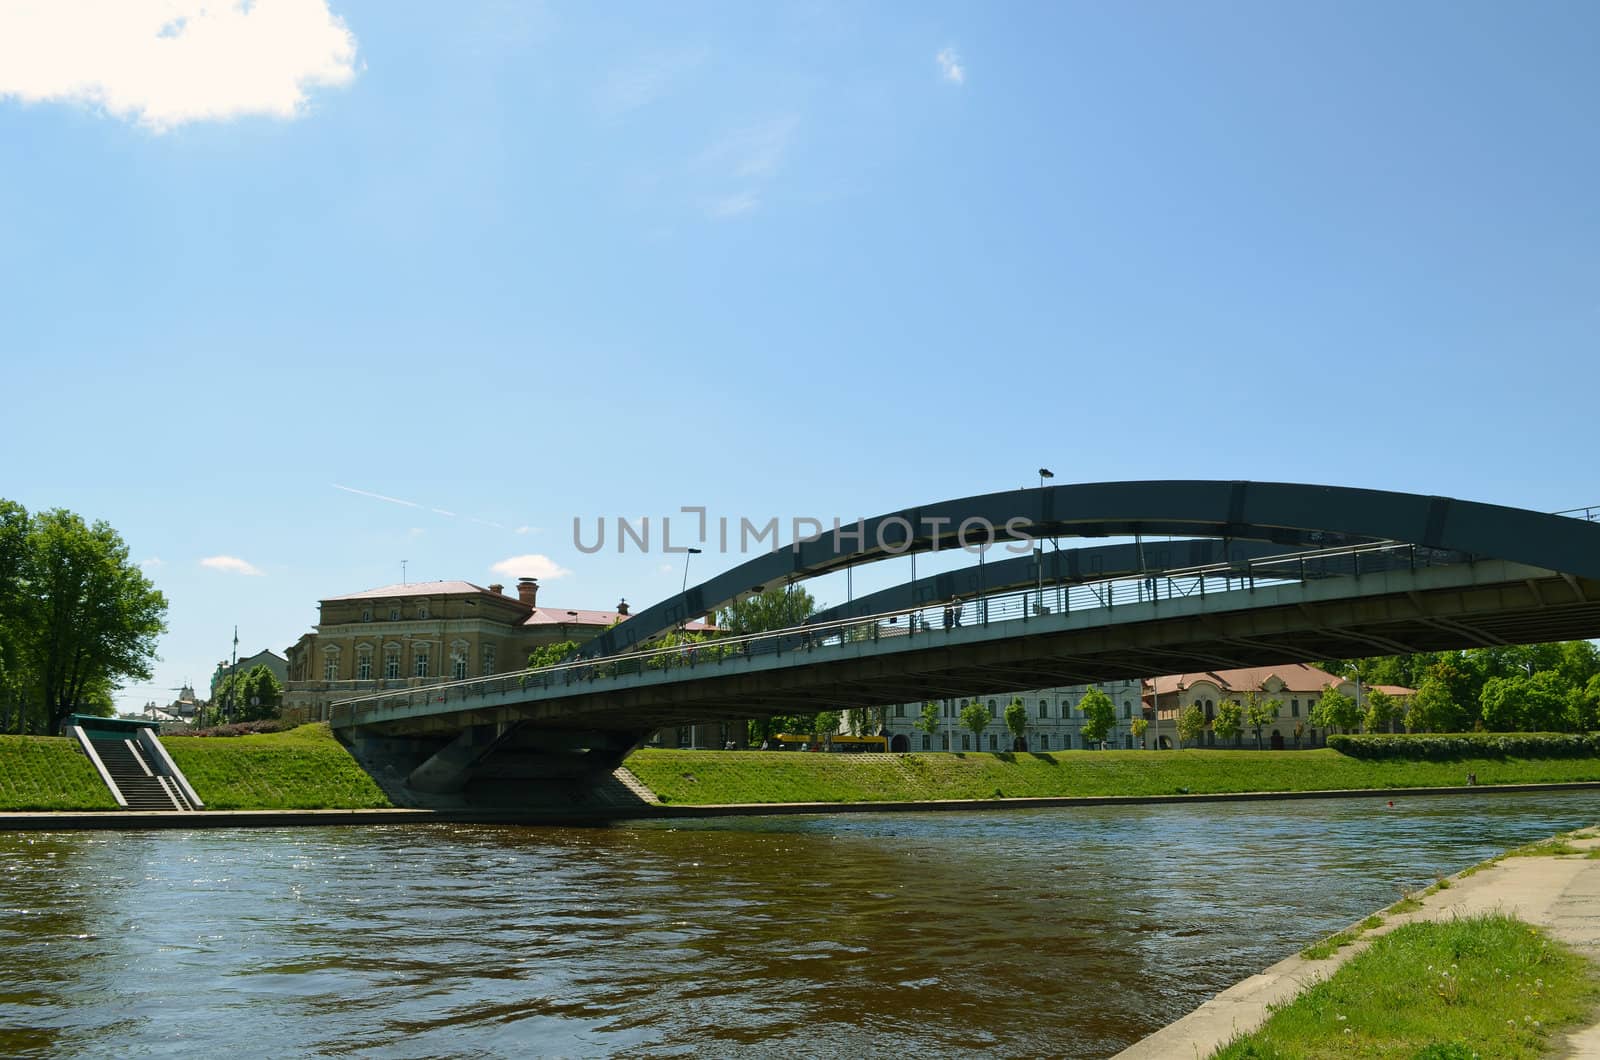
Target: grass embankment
301, 769
1487, 986
700, 777
49, 773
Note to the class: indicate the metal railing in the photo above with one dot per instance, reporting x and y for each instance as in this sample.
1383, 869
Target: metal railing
1589, 514
929, 619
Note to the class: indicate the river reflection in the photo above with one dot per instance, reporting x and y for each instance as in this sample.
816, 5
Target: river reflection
1049, 932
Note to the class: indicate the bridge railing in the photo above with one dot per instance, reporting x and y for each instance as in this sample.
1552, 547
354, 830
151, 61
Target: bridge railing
932, 618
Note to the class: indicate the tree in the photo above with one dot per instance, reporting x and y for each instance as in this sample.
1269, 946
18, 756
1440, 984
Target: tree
1017, 718
1336, 710
1259, 713
1191, 723
928, 722
1433, 708
1229, 722
551, 654
1138, 727
1522, 703
1099, 715
975, 716
89, 618
1382, 710
780, 607
825, 724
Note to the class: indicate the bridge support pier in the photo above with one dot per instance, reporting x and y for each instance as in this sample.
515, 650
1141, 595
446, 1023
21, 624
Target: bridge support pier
450, 768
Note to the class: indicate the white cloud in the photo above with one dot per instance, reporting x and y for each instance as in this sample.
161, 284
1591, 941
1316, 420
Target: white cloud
733, 205
531, 565
153, 561
529, 529
665, 568
232, 565
646, 81
950, 66
163, 63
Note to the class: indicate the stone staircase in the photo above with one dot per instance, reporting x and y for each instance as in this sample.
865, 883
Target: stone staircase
142, 787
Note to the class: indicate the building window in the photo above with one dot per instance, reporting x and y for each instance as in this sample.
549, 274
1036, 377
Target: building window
1294, 708
458, 666
1044, 708
927, 741
1127, 708
488, 658
364, 666
394, 614
944, 741
330, 666
992, 713
899, 710
422, 610
966, 742
419, 662
994, 742
366, 614
1044, 741
391, 663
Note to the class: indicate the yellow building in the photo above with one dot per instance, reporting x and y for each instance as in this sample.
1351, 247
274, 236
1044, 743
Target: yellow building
403, 636
1294, 687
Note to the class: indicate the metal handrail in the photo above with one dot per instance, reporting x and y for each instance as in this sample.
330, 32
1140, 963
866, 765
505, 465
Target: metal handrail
1017, 605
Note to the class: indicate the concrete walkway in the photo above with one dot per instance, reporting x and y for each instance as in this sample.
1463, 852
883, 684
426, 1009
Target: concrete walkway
1559, 893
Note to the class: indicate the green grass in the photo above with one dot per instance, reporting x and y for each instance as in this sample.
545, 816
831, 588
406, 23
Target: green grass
1491, 985
301, 769
49, 773
700, 777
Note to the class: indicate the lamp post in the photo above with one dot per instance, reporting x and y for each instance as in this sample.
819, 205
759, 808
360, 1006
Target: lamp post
1038, 550
687, 553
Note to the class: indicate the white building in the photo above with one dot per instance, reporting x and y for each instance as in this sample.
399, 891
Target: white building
1055, 722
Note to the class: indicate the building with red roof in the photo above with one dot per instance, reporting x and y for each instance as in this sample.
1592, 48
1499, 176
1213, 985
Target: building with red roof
419, 633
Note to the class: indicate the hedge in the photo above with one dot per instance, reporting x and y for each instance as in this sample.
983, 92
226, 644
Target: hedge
1446, 745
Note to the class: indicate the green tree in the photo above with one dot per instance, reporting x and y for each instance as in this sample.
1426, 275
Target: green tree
551, 654
1229, 722
260, 695
1191, 723
1336, 711
1382, 710
1259, 713
1139, 726
780, 607
1433, 708
1523, 703
929, 720
1099, 715
89, 617
975, 716
825, 724
1017, 718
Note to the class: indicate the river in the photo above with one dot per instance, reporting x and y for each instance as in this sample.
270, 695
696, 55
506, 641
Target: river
1061, 932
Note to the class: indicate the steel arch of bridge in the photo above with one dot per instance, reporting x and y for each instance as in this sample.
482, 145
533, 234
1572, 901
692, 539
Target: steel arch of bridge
1288, 515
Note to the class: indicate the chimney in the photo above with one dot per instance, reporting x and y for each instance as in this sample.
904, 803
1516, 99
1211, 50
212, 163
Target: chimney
622, 607
528, 591
498, 590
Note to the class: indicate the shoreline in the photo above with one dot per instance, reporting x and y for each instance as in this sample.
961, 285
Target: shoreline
129, 820
1548, 896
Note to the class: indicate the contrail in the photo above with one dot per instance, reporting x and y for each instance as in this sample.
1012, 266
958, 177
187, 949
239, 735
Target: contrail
414, 504
377, 496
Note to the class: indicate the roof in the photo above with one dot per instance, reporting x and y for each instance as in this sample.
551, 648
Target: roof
446, 588
1392, 690
1296, 677
552, 616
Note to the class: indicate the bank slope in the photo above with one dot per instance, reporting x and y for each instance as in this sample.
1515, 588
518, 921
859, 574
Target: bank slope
302, 769
709, 777
49, 773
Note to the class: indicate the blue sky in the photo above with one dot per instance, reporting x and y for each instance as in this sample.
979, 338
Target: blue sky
522, 263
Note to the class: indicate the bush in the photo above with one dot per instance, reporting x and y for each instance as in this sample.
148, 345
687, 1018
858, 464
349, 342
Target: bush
1448, 745
245, 728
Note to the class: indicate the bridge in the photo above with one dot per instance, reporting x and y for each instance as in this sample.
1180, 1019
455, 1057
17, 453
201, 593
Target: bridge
1243, 574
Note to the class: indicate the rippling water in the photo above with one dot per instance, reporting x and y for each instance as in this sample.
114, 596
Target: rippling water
1050, 932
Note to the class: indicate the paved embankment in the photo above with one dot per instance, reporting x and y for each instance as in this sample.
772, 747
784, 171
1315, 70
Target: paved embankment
125, 819
1560, 893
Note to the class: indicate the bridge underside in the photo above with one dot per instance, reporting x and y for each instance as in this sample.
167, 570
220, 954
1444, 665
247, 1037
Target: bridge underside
578, 736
